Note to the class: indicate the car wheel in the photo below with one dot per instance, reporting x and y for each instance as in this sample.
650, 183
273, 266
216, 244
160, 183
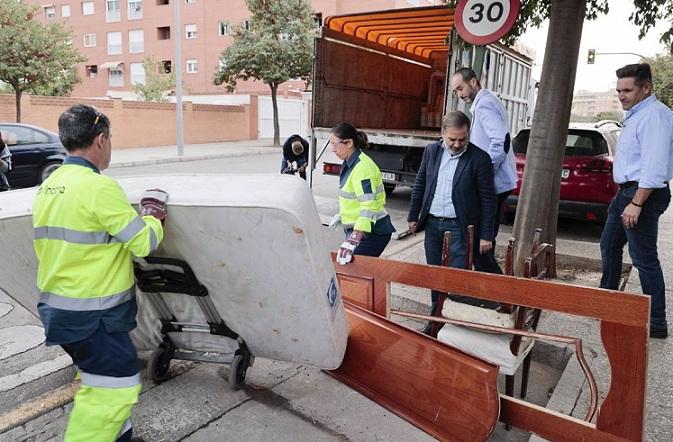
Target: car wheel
47, 170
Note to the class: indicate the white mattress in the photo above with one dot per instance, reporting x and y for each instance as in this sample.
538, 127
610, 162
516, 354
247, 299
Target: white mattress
254, 241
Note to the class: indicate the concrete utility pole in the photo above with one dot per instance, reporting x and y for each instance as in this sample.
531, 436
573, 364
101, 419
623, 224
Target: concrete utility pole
178, 81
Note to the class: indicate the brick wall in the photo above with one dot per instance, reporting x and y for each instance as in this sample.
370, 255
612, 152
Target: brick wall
143, 124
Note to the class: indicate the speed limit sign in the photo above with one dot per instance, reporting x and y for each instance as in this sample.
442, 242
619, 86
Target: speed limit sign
481, 22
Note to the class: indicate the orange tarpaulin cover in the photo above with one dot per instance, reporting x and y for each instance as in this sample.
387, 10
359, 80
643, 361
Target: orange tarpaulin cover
418, 31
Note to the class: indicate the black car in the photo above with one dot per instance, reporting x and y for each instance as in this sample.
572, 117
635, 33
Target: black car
36, 153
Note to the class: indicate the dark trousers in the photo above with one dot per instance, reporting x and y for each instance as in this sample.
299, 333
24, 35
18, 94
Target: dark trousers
642, 241
487, 262
372, 244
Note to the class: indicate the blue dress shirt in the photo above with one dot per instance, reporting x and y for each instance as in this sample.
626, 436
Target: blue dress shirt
645, 146
490, 126
442, 202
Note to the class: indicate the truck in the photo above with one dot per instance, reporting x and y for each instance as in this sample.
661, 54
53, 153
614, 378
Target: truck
386, 73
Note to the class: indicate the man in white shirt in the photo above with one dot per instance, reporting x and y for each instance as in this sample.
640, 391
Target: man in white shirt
490, 132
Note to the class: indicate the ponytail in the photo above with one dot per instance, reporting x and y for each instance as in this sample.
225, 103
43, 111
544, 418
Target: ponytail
346, 131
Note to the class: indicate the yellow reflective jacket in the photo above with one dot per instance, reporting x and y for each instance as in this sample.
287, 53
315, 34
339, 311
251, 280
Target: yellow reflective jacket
85, 235
361, 197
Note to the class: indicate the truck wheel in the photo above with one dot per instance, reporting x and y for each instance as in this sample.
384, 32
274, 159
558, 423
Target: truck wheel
389, 188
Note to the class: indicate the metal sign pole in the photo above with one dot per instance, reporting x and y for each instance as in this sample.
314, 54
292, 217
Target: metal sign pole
177, 34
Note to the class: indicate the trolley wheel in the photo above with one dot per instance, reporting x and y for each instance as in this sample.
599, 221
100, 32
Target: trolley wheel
237, 370
160, 362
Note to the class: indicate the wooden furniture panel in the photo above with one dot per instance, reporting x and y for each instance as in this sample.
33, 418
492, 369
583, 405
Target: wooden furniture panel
624, 330
443, 391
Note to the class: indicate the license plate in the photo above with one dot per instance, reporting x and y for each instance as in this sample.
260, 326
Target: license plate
388, 176
565, 173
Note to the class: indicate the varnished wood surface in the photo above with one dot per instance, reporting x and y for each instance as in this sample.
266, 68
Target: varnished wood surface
606, 305
624, 332
447, 393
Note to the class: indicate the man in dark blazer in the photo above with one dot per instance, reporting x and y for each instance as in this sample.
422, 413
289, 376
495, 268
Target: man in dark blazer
454, 189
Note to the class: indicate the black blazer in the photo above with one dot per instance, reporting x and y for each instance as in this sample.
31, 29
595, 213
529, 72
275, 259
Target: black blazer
473, 192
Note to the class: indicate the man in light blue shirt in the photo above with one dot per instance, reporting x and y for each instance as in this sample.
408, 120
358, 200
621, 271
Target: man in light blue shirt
642, 168
490, 132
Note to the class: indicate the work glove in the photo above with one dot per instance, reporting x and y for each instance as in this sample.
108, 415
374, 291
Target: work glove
347, 248
334, 222
153, 203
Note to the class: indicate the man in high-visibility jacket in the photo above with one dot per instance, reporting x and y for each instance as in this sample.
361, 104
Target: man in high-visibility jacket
86, 233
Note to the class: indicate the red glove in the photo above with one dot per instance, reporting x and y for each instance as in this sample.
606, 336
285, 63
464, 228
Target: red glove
153, 203
347, 248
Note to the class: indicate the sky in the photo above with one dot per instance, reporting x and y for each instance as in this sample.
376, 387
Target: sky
612, 32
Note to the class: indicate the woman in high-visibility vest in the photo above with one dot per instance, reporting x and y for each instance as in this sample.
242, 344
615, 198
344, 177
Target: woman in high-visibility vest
362, 197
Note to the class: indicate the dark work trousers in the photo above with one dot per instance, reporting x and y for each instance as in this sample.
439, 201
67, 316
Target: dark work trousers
487, 262
372, 244
642, 240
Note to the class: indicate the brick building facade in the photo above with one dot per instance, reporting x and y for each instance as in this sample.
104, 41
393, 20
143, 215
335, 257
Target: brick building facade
117, 35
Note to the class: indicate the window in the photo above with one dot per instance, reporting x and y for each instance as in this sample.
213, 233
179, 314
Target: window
114, 43
135, 11
246, 25
192, 66
221, 64
49, 12
89, 40
167, 65
190, 1
87, 8
136, 41
112, 10
92, 70
224, 27
317, 19
65, 11
163, 2
115, 77
137, 73
190, 31
164, 33
14, 135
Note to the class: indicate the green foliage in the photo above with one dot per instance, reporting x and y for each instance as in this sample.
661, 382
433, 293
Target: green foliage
157, 81
35, 57
608, 115
646, 13
662, 77
278, 45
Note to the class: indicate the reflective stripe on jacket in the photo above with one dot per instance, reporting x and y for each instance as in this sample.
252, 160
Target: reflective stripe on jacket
85, 235
361, 195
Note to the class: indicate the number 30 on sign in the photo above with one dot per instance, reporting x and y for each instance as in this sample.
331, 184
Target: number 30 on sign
481, 22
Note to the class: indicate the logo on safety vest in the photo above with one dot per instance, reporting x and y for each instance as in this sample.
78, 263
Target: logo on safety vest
332, 292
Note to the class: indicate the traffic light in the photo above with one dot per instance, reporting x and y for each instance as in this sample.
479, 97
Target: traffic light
591, 56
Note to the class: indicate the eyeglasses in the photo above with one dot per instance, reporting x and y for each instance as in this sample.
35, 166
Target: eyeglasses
338, 142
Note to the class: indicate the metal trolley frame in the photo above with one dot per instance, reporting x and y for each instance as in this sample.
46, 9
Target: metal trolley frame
169, 275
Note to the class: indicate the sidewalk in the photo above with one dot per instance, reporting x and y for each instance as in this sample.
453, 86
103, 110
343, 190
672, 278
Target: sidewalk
192, 152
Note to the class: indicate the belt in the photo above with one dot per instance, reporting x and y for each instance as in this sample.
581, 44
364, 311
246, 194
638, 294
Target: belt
441, 218
628, 184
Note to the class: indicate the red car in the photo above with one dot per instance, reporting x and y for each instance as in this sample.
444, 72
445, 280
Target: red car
586, 178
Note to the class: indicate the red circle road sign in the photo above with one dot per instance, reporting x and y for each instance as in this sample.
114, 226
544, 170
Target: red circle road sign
481, 22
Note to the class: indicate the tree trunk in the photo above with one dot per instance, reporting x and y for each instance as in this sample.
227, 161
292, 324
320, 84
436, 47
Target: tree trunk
276, 124
17, 98
539, 198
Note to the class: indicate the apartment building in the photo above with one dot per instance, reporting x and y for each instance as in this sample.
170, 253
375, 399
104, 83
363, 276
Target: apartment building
589, 104
117, 35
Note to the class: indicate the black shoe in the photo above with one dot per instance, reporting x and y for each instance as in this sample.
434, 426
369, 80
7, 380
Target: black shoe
658, 333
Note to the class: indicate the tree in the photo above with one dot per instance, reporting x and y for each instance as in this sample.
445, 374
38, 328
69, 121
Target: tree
539, 198
157, 81
276, 46
608, 115
35, 57
662, 77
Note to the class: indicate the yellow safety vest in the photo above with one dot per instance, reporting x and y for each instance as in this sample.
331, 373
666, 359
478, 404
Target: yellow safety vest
85, 235
361, 197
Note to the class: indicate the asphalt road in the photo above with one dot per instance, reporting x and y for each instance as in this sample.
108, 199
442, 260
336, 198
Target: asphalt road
325, 187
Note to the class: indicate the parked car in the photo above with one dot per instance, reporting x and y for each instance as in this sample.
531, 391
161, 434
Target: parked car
36, 153
587, 186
